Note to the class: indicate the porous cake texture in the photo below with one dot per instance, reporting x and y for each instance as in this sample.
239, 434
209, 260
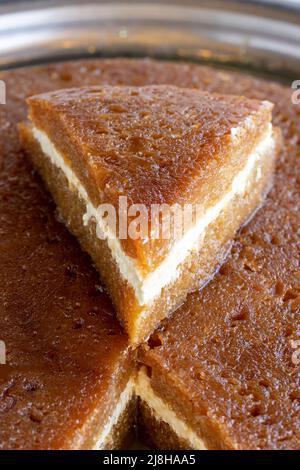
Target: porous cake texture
158, 147
225, 367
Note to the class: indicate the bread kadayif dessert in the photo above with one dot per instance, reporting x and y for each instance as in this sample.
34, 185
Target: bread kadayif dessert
221, 374
67, 378
226, 364
153, 148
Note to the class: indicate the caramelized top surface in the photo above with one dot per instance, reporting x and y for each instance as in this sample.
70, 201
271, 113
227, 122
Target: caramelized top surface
255, 306
233, 349
65, 350
147, 143
153, 144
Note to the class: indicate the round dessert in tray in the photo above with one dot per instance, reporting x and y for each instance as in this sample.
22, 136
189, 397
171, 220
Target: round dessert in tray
222, 371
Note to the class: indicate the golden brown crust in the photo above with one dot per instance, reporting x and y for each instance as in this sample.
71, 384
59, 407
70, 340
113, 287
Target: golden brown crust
196, 270
262, 273
122, 433
227, 354
67, 356
156, 433
154, 145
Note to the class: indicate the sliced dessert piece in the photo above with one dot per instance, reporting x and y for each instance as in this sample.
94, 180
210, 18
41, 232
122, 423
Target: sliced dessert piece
224, 372
67, 381
159, 147
267, 251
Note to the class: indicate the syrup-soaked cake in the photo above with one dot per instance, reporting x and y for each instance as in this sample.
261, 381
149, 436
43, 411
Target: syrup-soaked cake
67, 378
239, 335
155, 146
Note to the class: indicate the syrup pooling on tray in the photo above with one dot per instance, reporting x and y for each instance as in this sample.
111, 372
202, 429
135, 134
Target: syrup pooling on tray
263, 270
153, 146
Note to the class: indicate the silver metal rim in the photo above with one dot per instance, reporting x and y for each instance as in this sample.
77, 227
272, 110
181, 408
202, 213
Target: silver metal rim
257, 34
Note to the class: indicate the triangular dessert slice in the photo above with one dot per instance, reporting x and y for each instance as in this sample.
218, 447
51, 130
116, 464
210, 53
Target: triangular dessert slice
154, 181
66, 369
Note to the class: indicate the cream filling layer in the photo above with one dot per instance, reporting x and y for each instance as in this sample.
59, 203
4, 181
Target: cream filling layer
140, 386
162, 412
123, 402
149, 287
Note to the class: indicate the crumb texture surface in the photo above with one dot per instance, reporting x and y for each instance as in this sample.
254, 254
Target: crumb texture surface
152, 144
228, 347
228, 351
157, 144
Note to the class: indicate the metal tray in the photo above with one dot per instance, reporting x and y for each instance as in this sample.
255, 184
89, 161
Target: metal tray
260, 35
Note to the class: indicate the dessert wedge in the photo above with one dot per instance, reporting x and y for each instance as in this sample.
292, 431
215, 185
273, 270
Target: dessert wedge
223, 373
257, 295
67, 377
142, 151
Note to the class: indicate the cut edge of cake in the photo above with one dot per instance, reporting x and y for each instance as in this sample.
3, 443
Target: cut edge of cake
142, 305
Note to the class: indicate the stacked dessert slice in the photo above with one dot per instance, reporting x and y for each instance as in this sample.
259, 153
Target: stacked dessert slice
223, 372
67, 381
113, 157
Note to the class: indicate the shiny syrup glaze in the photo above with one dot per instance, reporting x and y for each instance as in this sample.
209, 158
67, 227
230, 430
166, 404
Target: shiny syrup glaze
154, 145
253, 302
229, 348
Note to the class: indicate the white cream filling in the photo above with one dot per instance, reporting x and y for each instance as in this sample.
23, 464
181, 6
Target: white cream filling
148, 287
162, 412
140, 386
124, 400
